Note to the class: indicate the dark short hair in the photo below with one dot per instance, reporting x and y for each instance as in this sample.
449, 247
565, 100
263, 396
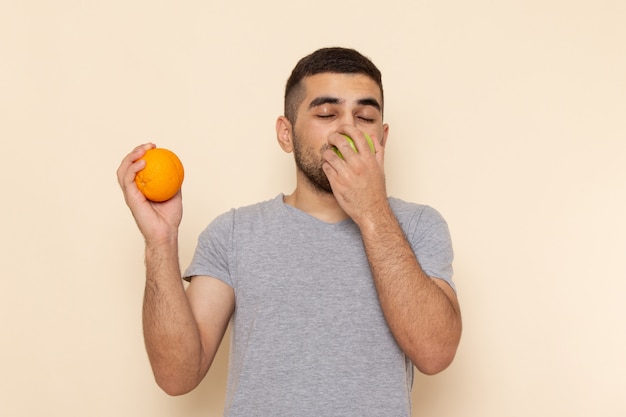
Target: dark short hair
334, 60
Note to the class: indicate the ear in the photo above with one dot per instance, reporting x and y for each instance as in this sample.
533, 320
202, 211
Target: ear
385, 133
284, 134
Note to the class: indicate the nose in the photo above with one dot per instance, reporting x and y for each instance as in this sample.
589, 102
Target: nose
348, 119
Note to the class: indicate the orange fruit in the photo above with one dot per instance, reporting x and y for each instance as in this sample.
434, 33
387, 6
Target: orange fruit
162, 176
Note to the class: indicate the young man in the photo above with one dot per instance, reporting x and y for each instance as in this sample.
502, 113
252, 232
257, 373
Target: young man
335, 291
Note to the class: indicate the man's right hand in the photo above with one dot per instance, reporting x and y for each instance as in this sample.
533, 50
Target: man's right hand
158, 222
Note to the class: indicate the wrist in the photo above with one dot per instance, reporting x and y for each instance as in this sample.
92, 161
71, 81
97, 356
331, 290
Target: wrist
162, 242
377, 217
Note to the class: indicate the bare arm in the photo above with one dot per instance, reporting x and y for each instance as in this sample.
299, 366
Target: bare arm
182, 330
181, 333
422, 312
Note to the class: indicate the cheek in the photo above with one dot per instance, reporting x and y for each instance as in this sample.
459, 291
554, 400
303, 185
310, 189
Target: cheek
312, 138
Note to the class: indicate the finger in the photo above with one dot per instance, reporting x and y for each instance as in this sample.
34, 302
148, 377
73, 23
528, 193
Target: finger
357, 139
360, 142
331, 158
336, 169
137, 153
379, 150
341, 142
127, 172
131, 172
330, 171
129, 160
378, 147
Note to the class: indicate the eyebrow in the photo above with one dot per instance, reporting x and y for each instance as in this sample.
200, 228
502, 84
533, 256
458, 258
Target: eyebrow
319, 101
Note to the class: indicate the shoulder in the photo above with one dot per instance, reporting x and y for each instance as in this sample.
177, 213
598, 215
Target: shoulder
242, 217
428, 234
418, 221
262, 207
421, 214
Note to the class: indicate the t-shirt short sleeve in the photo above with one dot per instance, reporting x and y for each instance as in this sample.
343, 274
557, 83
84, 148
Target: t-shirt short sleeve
213, 251
429, 236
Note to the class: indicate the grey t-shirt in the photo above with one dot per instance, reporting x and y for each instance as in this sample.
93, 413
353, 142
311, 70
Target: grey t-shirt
308, 335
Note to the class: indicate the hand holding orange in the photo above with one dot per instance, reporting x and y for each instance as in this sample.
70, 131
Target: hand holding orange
162, 176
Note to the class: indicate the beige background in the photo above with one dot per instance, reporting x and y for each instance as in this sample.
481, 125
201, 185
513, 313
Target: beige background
507, 116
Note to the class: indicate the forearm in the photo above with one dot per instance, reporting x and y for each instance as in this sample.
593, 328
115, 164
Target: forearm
424, 319
170, 331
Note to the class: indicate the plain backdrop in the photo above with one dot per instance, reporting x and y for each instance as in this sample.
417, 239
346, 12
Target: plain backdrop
509, 117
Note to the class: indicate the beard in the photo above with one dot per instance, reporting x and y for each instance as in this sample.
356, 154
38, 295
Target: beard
310, 164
